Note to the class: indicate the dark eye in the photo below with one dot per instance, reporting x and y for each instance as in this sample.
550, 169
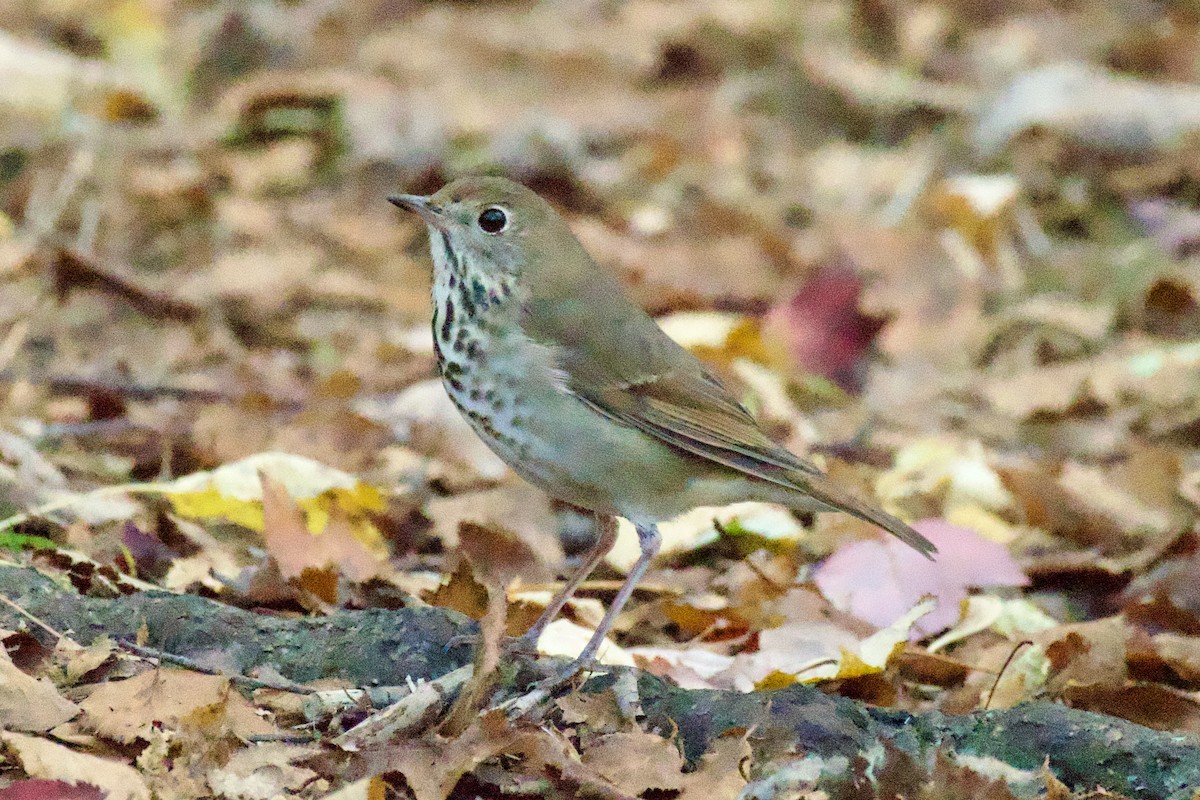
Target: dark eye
493, 220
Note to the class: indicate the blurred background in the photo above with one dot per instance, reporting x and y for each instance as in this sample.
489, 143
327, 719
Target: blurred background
948, 248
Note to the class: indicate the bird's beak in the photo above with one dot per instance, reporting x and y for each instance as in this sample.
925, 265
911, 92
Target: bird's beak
420, 206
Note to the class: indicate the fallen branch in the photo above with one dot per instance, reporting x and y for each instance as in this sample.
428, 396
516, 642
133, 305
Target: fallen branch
383, 647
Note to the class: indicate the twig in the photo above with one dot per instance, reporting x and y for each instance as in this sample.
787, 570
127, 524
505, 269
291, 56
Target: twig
71, 270
66, 384
62, 637
778, 587
44, 209
66, 502
1000, 674
195, 666
285, 738
409, 715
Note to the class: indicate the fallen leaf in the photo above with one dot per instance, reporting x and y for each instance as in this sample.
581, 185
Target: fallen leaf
564, 638
461, 592
1086, 654
51, 790
1015, 619
694, 529
720, 772
958, 472
263, 772
636, 762
28, 704
825, 331
1181, 654
877, 580
296, 549
423, 417
373, 788
45, 759
168, 698
522, 512
1091, 105
331, 500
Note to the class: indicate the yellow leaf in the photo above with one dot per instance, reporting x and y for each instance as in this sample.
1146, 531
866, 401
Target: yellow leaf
234, 492
775, 680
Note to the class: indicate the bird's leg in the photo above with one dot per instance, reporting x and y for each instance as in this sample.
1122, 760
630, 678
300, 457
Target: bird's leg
650, 540
607, 536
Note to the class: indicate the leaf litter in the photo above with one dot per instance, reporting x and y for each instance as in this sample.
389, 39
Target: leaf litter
947, 254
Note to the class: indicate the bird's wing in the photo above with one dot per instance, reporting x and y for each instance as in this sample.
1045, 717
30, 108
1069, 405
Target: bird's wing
694, 413
627, 369
623, 366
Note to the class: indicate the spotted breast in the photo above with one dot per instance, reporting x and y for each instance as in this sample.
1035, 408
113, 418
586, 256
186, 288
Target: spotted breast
478, 367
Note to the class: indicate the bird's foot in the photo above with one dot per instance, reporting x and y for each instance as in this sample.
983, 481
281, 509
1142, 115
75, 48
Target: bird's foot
523, 645
543, 690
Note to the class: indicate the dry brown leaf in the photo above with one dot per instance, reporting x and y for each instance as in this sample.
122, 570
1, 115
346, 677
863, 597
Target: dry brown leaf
44, 759
173, 699
599, 711
563, 637
263, 772
461, 592
28, 704
372, 788
636, 762
423, 417
78, 662
517, 508
1053, 389
1181, 654
1086, 654
434, 766
295, 549
721, 772
1091, 491
1091, 105
1152, 705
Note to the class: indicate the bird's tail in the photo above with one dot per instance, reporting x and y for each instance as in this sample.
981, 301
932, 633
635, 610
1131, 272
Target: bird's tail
829, 494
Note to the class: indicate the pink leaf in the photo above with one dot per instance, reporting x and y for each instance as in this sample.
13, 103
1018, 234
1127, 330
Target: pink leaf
878, 580
51, 790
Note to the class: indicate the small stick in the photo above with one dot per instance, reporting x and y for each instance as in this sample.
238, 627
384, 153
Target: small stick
66, 384
23, 612
183, 661
285, 738
70, 500
1000, 674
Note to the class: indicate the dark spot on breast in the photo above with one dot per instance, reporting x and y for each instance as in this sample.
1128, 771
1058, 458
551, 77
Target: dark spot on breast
447, 320
464, 300
453, 368
453, 280
451, 256
472, 349
437, 351
479, 293
455, 383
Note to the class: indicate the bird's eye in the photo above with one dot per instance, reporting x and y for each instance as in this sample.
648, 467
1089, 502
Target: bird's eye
493, 220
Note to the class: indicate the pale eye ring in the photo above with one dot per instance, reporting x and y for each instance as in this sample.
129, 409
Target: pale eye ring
493, 220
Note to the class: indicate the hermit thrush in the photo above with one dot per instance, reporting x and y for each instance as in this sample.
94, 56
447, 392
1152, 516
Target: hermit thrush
581, 393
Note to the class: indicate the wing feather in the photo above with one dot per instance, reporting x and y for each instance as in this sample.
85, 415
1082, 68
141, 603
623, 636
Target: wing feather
696, 415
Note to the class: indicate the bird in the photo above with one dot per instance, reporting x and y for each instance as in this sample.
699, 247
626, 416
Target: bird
581, 393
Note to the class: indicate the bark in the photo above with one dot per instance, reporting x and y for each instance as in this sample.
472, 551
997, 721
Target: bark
384, 648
